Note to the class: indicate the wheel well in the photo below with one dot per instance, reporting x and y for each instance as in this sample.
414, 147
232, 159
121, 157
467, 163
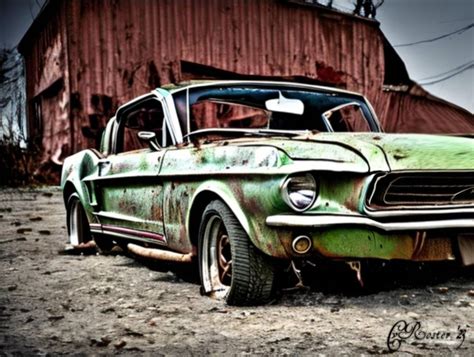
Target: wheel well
199, 205
68, 190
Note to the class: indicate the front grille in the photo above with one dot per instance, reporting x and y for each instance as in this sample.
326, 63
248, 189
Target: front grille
422, 189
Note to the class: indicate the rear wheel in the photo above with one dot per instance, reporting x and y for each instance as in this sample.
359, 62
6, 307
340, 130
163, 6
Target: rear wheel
230, 266
78, 226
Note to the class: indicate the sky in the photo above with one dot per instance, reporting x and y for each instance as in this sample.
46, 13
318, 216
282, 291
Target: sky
15, 18
402, 21
408, 21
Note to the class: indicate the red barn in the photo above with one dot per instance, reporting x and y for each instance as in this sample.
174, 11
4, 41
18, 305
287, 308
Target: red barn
84, 58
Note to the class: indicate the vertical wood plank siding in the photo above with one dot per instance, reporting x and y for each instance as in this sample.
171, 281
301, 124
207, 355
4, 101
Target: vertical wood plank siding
119, 49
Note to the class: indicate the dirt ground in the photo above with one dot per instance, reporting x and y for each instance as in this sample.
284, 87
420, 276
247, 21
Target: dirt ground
54, 304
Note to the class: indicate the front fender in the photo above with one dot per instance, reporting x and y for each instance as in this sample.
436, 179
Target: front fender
251, 203
223, 192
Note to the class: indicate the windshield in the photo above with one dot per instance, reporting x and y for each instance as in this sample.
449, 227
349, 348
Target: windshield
272, 108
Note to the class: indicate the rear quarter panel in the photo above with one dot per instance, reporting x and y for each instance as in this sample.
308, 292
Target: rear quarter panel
76, 168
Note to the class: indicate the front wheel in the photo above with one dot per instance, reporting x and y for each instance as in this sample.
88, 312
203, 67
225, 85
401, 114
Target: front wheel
230, 266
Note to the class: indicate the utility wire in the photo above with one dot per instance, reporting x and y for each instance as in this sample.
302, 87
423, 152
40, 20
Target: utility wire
447, 77
437, 38
447, 72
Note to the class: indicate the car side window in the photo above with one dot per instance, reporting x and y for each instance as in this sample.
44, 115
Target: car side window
144, 116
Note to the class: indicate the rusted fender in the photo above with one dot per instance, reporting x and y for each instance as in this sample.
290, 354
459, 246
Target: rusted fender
76, 170
250, 206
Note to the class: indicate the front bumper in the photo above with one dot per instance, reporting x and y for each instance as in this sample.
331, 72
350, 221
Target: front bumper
357, 236
331, 220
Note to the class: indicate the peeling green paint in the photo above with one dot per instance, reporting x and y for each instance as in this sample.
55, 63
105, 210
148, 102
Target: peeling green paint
362, 243
157, 191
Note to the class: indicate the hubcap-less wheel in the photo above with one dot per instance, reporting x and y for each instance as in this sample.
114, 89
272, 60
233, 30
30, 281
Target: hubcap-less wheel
230, 266
78, 226
225, 260
218, 257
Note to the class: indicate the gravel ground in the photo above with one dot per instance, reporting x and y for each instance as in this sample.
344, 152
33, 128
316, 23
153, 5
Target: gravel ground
89, 304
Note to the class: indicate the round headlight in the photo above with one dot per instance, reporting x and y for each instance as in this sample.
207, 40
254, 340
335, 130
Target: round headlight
300, 191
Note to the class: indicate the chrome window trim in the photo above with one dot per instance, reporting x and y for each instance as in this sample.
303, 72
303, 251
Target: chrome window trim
170, 120
171, 116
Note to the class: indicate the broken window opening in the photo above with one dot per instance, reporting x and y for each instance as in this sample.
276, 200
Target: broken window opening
145, 116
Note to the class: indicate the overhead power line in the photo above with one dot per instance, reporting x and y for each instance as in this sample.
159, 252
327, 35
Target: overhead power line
467, 64
465, 28
448, 76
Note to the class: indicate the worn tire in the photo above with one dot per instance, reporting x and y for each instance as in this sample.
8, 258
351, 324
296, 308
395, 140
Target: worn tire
78, 226
78, 229
252, 273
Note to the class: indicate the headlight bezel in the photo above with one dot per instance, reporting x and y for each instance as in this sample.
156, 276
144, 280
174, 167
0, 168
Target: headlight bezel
286, 194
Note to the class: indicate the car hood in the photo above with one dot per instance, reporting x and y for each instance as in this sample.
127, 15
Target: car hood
384, 152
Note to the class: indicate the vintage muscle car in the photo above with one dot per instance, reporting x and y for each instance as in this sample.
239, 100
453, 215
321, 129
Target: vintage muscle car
239, 176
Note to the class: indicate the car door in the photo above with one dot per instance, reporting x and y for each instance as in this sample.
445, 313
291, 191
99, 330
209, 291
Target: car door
130, 190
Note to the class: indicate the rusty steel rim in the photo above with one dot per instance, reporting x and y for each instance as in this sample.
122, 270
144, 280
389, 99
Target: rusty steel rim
217, 258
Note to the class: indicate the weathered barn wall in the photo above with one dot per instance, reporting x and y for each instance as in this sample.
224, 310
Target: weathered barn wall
415, 111
120, 49
47, 79
105, 52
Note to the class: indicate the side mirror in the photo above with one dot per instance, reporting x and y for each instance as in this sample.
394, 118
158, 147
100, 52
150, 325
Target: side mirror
285, 105
150, 138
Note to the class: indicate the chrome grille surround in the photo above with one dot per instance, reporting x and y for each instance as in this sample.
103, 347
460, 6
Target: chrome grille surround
452, 190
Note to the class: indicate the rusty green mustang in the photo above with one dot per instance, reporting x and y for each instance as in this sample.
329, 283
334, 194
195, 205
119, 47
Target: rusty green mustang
236, 177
